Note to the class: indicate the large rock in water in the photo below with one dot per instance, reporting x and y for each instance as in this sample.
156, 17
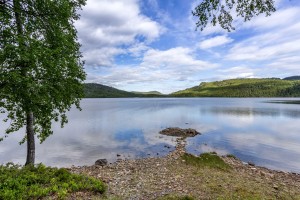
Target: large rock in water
101, 162
179, 132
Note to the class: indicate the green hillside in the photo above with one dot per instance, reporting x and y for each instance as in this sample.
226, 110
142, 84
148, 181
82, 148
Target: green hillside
148, 93
94, 90
292, 78
266, 87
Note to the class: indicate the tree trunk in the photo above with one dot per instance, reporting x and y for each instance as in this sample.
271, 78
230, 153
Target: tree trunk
30, 139
17, 10
29, 120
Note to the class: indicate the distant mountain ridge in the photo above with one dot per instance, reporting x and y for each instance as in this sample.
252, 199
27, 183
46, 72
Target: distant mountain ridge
292, 78
249, 87
148, 93
95, 90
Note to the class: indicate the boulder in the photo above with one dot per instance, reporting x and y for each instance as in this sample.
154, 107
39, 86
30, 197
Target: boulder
101, 162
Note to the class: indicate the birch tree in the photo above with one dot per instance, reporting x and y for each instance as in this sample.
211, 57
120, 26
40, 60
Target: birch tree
41, 71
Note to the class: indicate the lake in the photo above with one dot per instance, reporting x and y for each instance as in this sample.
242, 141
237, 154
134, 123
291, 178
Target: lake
267, 134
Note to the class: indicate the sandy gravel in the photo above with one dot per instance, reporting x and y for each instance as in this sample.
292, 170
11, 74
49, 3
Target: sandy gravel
153, 178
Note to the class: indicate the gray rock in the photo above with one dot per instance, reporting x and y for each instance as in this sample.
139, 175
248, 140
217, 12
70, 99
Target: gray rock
101, 162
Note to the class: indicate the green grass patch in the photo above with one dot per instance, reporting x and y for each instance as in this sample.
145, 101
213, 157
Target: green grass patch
211, 160
231, 156
31, 182
175, 197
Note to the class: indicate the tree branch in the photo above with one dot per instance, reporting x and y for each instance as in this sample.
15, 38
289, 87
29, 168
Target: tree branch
207, 11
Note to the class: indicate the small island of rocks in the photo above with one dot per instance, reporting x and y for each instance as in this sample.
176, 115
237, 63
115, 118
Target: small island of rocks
179, 132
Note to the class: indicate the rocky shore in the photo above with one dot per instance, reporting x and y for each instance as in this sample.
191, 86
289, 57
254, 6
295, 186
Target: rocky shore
171, 177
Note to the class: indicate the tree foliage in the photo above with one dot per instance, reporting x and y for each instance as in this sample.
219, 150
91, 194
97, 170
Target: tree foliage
41, 71
221, 11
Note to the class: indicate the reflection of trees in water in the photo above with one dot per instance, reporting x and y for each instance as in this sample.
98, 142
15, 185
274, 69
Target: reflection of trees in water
291, 113
272, 112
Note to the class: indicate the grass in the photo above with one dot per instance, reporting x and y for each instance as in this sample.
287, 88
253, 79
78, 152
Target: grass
231, 156
175, 197
31, 182
209, 177
210, 160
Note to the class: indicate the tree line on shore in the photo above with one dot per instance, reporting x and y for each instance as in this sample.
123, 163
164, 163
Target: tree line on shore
264, 87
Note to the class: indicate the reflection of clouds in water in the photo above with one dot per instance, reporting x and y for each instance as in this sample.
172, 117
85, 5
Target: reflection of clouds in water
268, 148
208, 148
266, 133
248, 111
236, 121
288, 129
269, 138
85, 149
280, 135
253, 143
10, 150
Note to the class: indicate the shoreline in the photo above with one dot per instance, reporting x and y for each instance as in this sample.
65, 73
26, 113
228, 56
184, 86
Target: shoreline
156, 177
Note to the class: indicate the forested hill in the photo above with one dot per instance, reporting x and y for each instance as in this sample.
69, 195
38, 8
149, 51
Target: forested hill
292, 78
266, 87
94, 90
148, 93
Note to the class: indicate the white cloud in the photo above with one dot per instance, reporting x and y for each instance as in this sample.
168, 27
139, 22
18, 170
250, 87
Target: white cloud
106, 25
241, 71
262, 47
137, 49
101, 56
275, 45
215, 41
258, 52
159, 70
173, 58
237, 72
269, 45
279, 19
285, 66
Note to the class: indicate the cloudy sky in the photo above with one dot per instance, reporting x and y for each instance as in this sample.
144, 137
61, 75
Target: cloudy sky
145, 45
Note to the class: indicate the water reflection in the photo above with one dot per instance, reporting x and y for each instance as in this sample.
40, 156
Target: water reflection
290, 101
264, 133
129, 135
246, 111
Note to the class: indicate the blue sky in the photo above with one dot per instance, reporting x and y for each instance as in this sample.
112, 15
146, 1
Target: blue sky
145, 45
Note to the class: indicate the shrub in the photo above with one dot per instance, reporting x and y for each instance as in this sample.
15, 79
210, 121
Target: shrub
34, 182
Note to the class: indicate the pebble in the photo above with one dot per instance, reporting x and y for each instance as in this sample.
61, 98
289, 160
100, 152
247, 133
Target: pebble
150, 178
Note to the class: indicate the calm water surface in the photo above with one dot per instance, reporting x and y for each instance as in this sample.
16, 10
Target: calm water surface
267, 134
